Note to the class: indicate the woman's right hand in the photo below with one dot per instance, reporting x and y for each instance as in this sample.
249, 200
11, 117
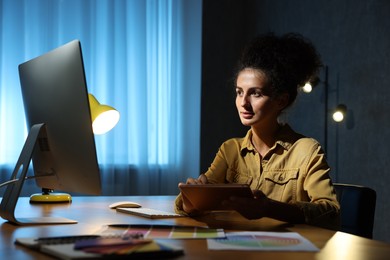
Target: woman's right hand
202, 179
187, 206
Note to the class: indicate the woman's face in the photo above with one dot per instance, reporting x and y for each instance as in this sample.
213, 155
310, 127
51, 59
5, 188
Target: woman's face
253, 101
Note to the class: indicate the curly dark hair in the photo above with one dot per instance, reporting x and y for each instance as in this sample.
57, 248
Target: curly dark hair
288, 61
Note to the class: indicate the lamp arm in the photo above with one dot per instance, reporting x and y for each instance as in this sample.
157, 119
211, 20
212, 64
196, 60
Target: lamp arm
26, 178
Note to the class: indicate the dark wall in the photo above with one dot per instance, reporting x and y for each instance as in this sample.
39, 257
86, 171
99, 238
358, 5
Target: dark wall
227, 26
353, 39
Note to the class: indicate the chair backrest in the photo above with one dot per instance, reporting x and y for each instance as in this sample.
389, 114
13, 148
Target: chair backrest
357, 209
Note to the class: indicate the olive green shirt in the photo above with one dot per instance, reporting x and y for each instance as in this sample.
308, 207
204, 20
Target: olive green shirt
294, 171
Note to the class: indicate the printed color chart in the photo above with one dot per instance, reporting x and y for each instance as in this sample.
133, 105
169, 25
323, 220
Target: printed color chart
262, 241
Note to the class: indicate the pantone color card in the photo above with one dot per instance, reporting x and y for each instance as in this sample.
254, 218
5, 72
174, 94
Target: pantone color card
162, 231
262, 241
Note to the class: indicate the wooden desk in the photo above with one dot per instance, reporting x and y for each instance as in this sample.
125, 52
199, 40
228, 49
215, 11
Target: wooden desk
93, 212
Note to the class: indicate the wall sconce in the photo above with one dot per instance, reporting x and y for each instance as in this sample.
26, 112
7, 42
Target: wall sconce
312, 83
307, 88
338, 114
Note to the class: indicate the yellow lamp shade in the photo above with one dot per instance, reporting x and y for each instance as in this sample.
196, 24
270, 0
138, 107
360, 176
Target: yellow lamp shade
104, 117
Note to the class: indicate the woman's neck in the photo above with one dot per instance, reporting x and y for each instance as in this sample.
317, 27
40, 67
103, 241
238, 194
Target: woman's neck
264, 138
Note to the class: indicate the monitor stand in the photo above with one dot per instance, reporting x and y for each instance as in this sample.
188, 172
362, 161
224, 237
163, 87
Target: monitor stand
12, 193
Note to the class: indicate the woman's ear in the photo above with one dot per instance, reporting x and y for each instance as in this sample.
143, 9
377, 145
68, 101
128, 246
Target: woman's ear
283, 101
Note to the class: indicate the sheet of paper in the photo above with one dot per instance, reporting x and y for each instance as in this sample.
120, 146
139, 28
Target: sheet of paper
262, 241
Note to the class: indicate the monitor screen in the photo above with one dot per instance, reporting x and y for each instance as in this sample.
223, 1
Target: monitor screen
55, 93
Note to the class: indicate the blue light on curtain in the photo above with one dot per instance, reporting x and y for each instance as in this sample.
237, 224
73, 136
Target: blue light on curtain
142, 57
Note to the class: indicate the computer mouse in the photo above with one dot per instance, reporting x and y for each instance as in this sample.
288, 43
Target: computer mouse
124, 204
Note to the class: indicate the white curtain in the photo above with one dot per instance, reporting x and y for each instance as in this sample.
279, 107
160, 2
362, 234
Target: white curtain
140, 56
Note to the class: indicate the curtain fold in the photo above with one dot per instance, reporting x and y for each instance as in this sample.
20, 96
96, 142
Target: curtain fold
140, 56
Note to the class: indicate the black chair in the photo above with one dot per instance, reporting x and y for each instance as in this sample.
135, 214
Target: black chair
357, 209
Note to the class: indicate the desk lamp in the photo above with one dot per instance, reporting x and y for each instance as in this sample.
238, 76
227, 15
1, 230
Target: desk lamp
104, 118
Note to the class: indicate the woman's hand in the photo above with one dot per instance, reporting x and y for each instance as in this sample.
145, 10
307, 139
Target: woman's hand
261, 206
187, 206
250, 208
202, 179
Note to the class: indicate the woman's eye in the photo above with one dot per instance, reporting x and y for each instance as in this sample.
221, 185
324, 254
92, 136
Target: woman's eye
239, 92
256, 94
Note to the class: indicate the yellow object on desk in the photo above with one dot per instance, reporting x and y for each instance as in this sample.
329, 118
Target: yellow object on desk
50, 198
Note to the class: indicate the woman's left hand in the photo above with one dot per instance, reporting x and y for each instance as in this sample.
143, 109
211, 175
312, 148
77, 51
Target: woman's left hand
250, 208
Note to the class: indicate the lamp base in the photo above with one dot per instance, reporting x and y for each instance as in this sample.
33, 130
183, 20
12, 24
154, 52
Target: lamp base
46, 197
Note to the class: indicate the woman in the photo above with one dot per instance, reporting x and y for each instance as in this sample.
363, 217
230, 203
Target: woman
287, 171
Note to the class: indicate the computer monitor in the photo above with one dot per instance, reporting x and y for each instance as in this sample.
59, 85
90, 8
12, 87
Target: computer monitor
61, 141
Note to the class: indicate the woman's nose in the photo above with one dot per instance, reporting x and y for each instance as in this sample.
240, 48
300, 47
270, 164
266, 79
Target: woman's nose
244, 101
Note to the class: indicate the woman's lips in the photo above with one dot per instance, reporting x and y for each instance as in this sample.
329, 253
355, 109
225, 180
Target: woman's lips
246, 114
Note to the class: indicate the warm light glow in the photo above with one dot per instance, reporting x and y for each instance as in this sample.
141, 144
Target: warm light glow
338, 116
339, 113
307, 88
104, 117
105, 122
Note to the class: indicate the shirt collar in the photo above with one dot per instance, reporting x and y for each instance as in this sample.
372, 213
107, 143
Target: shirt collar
285, 138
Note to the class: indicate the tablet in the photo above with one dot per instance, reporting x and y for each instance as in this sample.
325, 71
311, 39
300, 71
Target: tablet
211, 196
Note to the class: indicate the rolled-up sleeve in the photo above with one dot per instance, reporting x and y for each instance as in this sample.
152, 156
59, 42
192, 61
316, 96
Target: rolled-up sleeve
322, 209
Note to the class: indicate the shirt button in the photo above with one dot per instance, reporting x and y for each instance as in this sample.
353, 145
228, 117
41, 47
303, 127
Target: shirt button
281, 178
